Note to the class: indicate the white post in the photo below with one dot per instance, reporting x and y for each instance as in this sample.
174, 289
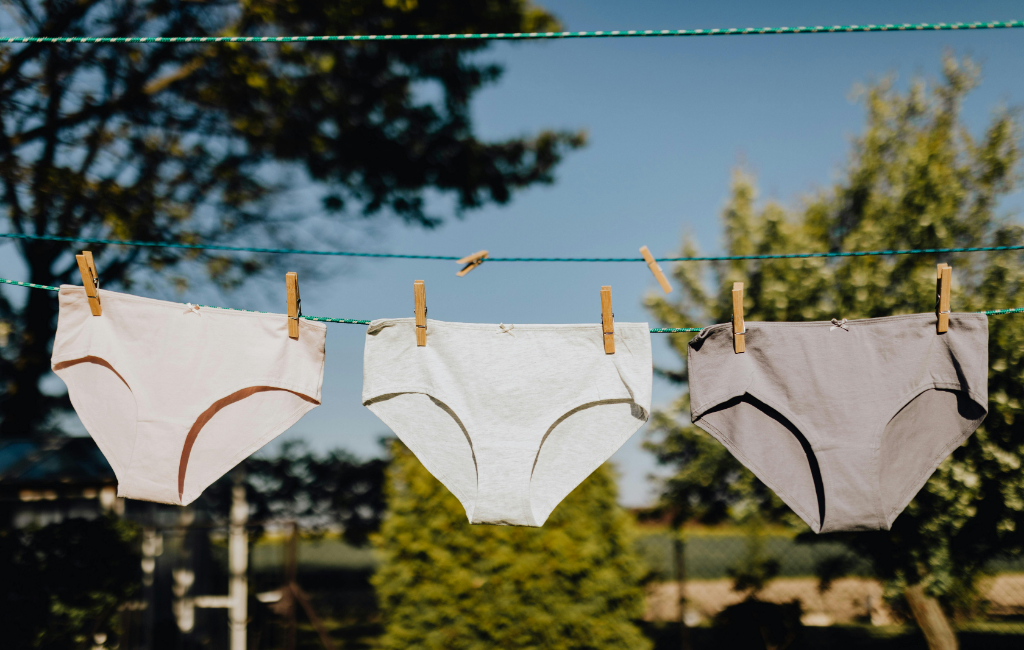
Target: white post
238, 564
237, 600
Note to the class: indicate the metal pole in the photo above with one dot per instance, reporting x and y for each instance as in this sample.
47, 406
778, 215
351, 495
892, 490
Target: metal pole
237, 600
290, 578
152, 546
238, 564
680, 553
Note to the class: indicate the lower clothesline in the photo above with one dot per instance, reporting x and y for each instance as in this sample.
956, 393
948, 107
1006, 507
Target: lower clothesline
353, 321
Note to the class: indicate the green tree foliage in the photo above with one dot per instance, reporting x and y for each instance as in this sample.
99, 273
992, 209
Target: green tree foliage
917, 178
61, 584
443, 584
191, 142
319, 491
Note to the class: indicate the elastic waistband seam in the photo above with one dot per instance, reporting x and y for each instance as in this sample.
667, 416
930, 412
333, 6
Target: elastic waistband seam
958, 315
209, 309
533, 327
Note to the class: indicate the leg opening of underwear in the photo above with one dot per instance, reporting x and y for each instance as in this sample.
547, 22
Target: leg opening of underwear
447, 409
97, 360
918, 438
208, 415
636, 410
106, 406
444, 407
438, 437
574, 446
819, 486
812, 460
768, 411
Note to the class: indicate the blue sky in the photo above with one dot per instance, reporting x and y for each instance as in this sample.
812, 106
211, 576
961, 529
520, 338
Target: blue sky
668, 120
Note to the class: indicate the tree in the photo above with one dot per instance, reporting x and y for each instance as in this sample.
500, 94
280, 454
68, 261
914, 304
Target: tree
190, 142
575, 583
62, 583
916, 178
318, 491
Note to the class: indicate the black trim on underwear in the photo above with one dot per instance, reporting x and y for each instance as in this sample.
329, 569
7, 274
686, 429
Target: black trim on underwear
812, 460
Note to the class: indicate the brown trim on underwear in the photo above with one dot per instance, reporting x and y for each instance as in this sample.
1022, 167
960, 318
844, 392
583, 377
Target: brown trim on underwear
90, 359
208, 414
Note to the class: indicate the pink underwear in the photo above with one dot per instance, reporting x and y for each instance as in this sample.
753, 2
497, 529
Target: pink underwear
176, 395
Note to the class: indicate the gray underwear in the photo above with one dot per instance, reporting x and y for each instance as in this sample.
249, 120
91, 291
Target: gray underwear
845, 421
511, 418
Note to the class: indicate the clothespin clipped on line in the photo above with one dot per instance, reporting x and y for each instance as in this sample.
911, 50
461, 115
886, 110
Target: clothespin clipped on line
419, 292
739, 329
91, 280
607, 320
656, 270
471, 262
944, 281
291, 281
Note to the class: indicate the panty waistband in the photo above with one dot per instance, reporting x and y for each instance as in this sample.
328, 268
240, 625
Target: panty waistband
77, 292
881, 320
381, 323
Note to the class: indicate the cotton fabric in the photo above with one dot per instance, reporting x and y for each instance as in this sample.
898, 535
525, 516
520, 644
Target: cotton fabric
510, 418
844, 420
176, 395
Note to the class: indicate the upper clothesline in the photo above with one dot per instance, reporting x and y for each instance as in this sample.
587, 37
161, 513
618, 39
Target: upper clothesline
353, 321
697, 258
511, 36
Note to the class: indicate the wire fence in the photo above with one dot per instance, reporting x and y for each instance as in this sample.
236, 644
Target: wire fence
778, 569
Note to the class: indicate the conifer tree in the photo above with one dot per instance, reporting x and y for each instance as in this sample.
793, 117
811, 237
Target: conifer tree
446, 585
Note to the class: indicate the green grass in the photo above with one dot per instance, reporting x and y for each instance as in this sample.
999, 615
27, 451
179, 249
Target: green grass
323, 553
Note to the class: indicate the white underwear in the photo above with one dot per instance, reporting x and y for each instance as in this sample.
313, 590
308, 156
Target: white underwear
163, 387
510, 418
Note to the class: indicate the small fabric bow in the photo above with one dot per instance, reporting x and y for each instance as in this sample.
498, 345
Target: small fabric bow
506, 329
192, 308
839, 324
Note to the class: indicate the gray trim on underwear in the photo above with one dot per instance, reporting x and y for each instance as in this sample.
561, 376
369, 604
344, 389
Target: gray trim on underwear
511, 418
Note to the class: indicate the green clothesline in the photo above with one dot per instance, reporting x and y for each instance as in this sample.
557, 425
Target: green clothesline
352, 321
705, 258
632, 33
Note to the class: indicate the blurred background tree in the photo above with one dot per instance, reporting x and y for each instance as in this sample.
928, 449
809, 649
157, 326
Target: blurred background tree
190, 143
916, 178
319, 492
575, 583
62, 583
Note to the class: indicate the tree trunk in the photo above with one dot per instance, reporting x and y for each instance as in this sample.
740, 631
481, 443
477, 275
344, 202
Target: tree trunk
938, 633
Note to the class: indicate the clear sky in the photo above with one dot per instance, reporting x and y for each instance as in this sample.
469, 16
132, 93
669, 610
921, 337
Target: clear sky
668, 120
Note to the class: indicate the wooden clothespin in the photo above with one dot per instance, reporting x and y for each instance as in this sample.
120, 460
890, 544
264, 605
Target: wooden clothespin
294, 304
739, 329
944, 273
471, 262
656, 270
420, 297
607, 320
91, 280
